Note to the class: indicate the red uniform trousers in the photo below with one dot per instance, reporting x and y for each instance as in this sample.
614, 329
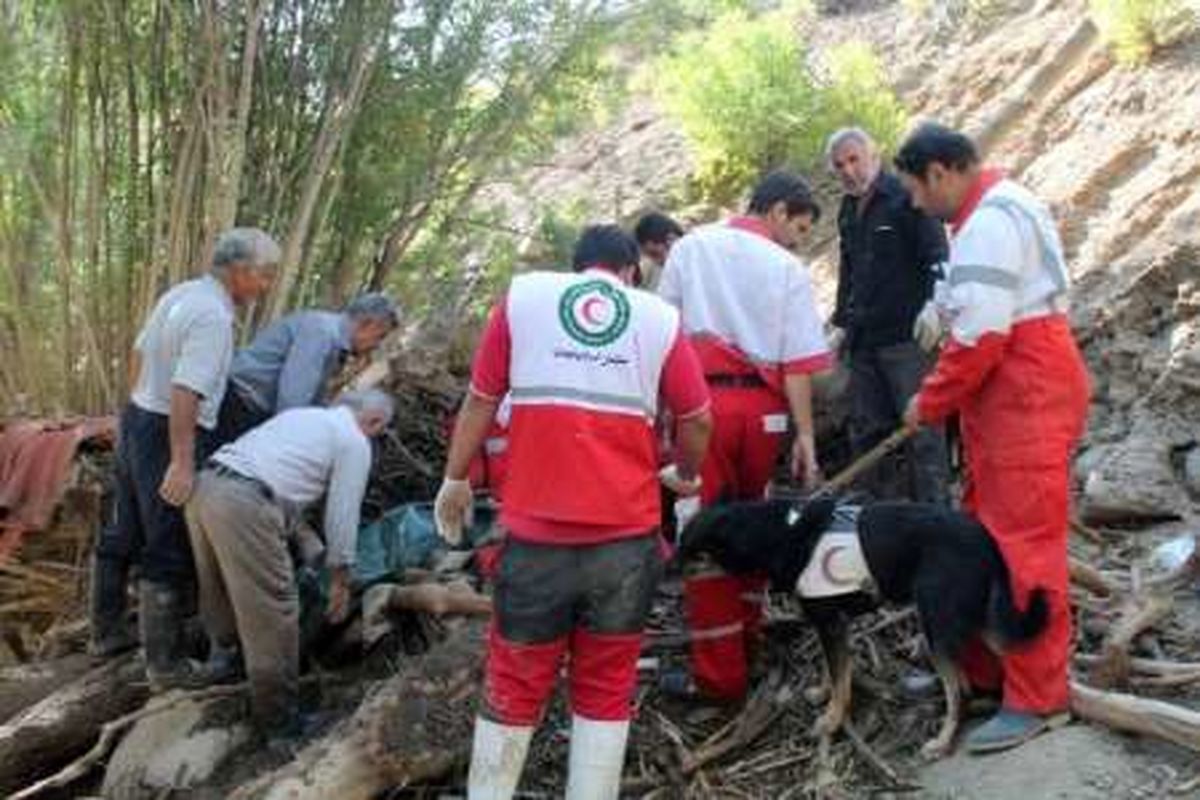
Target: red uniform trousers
724, 613
583, 604
1019, 432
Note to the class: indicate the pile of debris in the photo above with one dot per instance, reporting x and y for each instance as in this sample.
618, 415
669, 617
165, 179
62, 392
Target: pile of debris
406, 717
55, 478
401, 679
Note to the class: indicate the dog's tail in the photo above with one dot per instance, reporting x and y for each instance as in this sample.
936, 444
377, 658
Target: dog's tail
1011, 624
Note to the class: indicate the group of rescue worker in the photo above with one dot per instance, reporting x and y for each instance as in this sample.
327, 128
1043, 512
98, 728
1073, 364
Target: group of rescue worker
952, 301
667, 359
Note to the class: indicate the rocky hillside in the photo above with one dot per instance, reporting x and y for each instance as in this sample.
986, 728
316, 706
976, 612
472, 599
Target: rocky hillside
1114, 151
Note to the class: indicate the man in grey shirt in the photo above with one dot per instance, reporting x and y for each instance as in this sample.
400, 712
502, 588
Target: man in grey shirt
240, 520
182, 357
290, 362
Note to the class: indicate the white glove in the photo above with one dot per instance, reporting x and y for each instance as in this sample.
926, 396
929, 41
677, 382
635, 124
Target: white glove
670, 478
927, 328
685, 509
453, 509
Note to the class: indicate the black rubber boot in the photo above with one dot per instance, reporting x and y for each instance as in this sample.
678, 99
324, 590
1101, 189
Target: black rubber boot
111, 633
161, 621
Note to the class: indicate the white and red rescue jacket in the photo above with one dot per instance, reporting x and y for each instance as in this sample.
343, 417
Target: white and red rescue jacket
584, 360
746, 302
1011, 366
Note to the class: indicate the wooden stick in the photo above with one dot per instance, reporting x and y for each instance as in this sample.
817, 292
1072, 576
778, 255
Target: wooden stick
1127, 712
865, 462
1087, 532
1147, 665
874, 759
1141, 612
1090, 578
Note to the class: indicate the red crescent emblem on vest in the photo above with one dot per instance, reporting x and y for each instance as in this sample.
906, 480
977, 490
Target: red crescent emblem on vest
827, 571
586, 310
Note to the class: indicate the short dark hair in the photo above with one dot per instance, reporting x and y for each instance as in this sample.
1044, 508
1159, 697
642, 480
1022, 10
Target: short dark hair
656, 227
932, 143
784, 187
605, 245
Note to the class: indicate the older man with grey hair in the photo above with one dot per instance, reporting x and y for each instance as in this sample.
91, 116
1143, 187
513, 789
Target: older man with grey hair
181, 359
241, 518
890, 254
290, 362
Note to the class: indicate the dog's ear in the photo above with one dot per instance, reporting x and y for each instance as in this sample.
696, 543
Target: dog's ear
696, 535
803, 524
813, 515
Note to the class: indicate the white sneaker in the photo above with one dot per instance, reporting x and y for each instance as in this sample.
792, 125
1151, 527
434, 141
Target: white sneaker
597, 756
497, 757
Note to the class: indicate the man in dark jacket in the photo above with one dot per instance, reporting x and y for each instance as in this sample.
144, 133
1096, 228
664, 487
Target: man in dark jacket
890, 255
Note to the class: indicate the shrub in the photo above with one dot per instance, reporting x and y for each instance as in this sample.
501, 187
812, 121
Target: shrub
1136, 28
858, 94
750, 97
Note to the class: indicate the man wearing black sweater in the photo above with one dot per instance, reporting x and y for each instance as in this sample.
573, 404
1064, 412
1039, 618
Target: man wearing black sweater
890, 257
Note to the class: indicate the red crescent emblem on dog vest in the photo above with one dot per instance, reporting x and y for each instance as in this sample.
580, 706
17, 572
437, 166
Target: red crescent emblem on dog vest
827, 567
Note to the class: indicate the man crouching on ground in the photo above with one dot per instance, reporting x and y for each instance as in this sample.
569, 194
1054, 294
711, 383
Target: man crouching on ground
240, 519
585, 359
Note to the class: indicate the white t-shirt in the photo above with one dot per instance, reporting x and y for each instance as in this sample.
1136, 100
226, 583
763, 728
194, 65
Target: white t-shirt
303, 453
187, 341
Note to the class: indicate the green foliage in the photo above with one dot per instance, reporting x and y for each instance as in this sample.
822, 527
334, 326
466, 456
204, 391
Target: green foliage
750, 97
1136, 28
119, 128
857, 93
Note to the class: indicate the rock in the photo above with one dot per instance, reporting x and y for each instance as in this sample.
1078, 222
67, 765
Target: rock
1133, 480
176, 750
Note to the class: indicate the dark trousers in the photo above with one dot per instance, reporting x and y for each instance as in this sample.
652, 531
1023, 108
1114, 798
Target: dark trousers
882, 381
237, 415
144, 528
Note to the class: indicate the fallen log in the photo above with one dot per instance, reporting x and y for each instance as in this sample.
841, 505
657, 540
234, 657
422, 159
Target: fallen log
1141, 715
65, 723
415, 728
113, 729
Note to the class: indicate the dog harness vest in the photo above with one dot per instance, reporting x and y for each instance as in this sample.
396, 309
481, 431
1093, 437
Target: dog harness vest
837, 565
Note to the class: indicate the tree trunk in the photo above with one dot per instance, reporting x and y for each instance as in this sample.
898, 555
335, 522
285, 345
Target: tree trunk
228, 120
63, 725
415, 728
339, 116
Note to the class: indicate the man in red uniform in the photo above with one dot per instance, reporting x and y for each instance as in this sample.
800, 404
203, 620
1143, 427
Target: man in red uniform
746, 303
1011, 369
584, 360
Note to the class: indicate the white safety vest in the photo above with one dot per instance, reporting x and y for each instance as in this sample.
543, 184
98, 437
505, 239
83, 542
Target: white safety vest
1006, 266
586, 340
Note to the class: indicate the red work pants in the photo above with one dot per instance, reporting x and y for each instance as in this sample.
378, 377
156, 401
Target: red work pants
1026, 511
1019, 431
724, 612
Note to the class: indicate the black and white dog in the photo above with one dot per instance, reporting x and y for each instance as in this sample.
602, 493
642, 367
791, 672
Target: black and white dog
843, 561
